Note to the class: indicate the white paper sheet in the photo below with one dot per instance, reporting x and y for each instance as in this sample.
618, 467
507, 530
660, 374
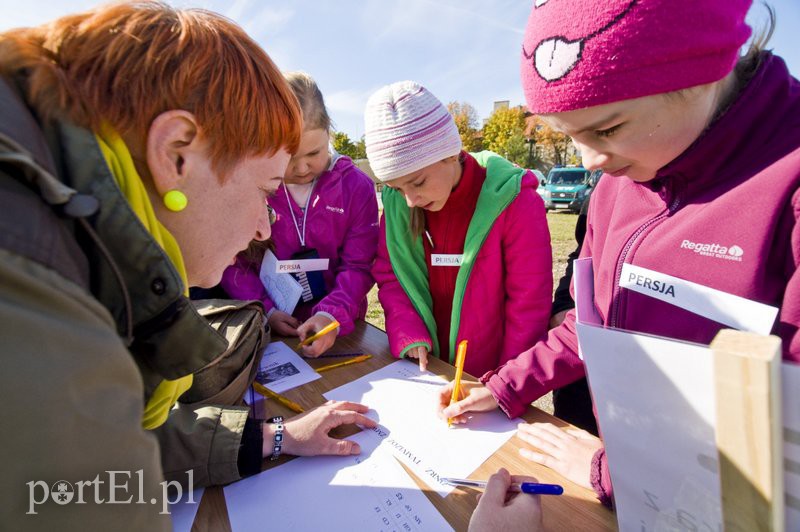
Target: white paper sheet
656, 406
282, 369
403, 400
790, 388
282, 288
655, 403
184, 511
368, 492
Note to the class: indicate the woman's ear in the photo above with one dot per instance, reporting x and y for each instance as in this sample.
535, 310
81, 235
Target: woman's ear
172, 140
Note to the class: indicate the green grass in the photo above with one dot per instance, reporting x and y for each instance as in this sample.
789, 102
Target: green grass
562, 238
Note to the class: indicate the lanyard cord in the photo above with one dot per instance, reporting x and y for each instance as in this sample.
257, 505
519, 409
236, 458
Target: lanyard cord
301, 235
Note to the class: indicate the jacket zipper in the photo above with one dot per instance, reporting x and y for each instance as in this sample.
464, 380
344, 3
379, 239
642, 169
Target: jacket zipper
615, 295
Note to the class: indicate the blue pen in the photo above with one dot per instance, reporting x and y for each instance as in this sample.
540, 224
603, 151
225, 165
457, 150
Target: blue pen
534, 488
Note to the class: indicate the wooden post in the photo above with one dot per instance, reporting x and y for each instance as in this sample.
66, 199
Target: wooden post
749, 429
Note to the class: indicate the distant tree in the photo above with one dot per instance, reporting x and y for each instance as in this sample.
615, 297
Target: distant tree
553, 142
517, 150
498, 131
343, 145
466, 119
361, 149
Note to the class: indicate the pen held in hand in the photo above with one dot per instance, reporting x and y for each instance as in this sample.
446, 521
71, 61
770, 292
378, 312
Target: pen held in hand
533, 488
322, 332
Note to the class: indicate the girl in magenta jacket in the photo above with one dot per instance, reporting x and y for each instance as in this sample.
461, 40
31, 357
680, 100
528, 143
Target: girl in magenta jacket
702, 163
464, 252
326, 208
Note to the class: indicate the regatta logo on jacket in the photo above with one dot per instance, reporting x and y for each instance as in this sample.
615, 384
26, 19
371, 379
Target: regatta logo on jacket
337, 210
733, 252
651, 284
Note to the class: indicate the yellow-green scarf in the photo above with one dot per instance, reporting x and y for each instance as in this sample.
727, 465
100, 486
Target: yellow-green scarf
121, 164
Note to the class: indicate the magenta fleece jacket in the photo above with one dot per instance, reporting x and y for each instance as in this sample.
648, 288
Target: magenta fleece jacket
738, 184
342, 225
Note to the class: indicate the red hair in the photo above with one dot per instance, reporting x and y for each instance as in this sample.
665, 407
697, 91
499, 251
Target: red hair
126, 63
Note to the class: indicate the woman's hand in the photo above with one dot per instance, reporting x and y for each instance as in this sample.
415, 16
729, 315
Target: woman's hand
501, 510
476, 398
568, 452
307, 434
283, 324
311, 326
420, 352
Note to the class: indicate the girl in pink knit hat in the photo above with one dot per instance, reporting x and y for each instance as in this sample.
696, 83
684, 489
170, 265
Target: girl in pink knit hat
701, 153
464, 252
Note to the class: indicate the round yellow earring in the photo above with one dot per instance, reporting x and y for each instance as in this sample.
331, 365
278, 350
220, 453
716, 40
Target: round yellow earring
175, 200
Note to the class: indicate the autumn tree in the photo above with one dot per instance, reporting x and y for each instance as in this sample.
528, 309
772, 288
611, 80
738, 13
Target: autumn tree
343, 145
504, 134
466, 119
553, 142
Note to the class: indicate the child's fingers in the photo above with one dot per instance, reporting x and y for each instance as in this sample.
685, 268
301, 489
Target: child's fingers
423, 359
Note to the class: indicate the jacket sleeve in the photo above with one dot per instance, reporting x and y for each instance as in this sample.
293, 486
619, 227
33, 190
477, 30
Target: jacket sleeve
601, 479
205, 440
73, 402
404, 326
789, 317
528, 275
356, 257
551, 363
241, 281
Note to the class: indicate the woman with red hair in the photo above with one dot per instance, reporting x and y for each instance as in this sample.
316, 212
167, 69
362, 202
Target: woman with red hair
138, 146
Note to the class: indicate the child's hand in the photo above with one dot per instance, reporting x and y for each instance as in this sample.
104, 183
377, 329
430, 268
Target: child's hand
569, 452
476, 398
283, 324
421, 353
312, 325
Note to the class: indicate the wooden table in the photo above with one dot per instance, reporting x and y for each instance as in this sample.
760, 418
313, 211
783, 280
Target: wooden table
576, 509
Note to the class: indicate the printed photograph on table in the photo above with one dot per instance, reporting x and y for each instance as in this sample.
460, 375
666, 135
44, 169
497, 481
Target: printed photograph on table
276, 373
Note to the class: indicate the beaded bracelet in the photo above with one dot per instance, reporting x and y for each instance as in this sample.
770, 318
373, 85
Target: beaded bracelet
277, 440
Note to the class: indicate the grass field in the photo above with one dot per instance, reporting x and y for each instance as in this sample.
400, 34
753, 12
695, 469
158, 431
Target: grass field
562, 235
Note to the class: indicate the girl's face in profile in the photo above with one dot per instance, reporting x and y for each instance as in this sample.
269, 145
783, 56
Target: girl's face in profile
635, 138
429, 188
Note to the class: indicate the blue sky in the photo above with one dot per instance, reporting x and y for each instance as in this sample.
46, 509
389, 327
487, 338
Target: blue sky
464, 50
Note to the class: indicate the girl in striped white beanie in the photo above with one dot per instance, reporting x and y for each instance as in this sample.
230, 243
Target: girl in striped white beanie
465, 249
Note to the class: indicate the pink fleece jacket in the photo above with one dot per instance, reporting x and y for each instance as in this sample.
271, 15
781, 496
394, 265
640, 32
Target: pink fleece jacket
738, 184
506, 305
342, 225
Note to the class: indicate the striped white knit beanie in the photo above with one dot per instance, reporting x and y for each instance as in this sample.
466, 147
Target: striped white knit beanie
406, 129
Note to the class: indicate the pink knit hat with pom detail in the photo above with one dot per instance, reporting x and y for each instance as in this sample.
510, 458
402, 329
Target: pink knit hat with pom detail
406, 129
582, 53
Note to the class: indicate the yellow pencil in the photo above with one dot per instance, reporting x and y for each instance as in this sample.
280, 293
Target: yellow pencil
288, 403
322, 332
460, 356
360, 358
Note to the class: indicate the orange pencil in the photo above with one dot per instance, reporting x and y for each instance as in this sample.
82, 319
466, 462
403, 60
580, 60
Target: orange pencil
460, 356
322, 332
360, 358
